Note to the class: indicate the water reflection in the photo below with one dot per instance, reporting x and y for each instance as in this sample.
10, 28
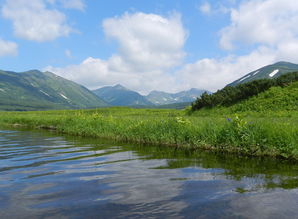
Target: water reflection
42, 174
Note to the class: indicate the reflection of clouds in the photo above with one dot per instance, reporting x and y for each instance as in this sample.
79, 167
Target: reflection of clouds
202, 174
136, 182
19, 202
271, 204
101, 178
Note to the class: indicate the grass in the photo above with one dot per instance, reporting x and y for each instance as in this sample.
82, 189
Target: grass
274, 133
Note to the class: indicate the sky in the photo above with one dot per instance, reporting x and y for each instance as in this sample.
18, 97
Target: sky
167, 45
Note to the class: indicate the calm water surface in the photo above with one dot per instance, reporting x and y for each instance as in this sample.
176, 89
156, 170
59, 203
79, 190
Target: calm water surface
43, 175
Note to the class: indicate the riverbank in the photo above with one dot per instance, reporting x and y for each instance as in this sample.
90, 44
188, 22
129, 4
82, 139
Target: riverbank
271, 133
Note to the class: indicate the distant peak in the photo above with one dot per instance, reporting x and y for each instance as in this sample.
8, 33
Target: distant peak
156, 92
119, 86
282, 63
33, 71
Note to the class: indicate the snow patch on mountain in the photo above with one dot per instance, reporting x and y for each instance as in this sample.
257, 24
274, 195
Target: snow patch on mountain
63, 96
247, 76
273, 73
44, 93
256, 72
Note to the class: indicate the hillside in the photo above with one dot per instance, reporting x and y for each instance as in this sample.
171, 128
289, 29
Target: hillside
120, 96
35, 90
267, 72
274, 99
164, 98
231, 95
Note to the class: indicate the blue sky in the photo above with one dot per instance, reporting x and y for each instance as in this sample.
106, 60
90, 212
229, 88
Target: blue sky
168, 45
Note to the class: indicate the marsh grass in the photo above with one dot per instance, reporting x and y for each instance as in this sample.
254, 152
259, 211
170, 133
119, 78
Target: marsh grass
274, 134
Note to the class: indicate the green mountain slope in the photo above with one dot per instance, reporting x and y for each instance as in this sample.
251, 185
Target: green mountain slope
269, 71
162, 98
231, 95
120, 96
35, 90
274, 99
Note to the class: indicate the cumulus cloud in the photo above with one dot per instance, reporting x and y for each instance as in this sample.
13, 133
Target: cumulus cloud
267, 22
8, 48
32, 20
213, 74
269, 26
149, 46
148, 41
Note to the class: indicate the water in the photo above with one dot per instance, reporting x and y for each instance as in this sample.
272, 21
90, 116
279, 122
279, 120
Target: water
43, 175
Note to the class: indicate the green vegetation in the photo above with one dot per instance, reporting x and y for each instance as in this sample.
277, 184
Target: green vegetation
231, 95
274, 134
276, 98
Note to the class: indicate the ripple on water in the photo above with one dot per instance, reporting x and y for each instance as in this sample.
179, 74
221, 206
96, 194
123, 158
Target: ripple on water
43, 175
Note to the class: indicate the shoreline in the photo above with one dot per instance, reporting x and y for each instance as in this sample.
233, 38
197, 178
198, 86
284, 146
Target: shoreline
206, 148
235, 135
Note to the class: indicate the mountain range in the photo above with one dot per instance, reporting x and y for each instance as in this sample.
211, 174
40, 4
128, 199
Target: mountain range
36, 90
120, 96
162, 98
269, 71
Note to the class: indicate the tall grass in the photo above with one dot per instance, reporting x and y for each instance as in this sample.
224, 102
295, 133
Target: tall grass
245, 133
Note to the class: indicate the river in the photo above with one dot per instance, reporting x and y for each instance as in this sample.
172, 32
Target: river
45, 175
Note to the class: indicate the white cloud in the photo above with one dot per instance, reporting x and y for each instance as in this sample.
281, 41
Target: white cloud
267, 22
148, 41
32, 20
8, 48
269, 26
149, 46
213, 74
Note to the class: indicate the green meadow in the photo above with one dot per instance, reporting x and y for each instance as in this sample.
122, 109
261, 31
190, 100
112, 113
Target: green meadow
272, 133
264, 124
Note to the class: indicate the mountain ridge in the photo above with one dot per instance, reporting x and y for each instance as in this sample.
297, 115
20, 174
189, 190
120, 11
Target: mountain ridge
269, 71
165, 98
115, 95
118, 95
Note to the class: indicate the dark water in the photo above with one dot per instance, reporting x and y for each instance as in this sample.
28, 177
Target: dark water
43, 175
